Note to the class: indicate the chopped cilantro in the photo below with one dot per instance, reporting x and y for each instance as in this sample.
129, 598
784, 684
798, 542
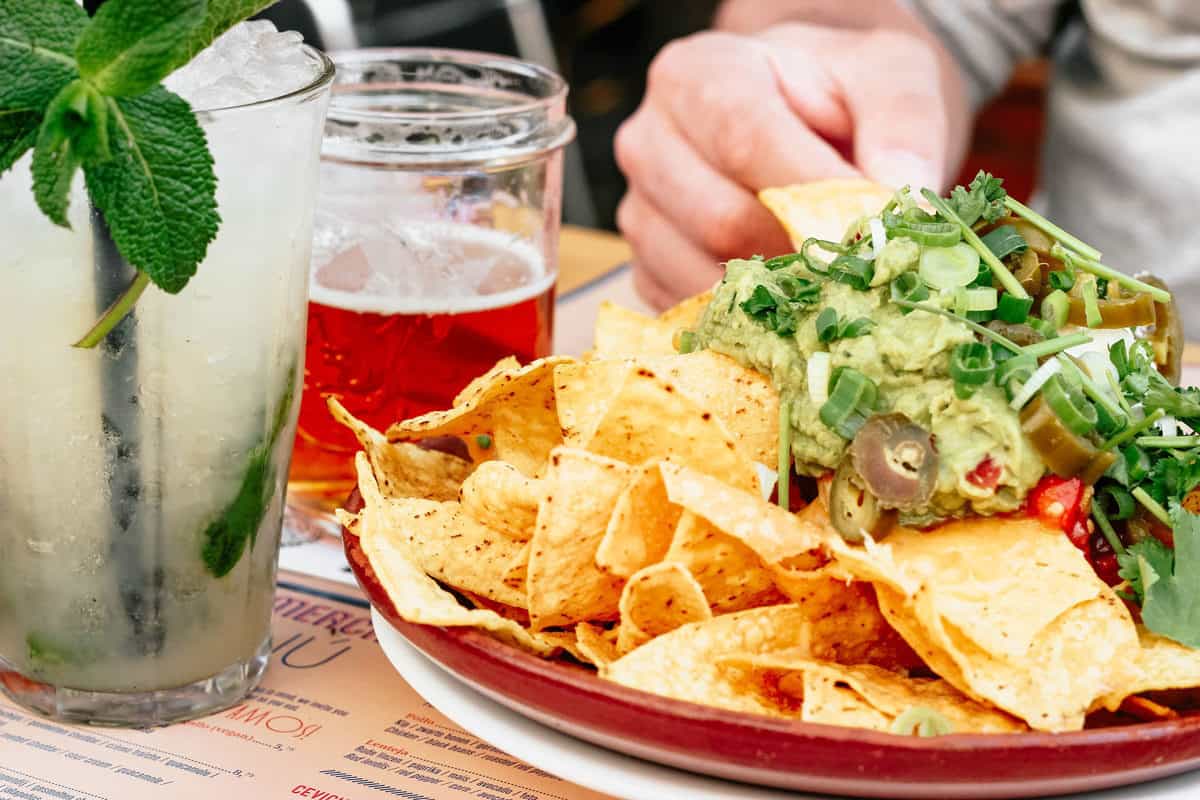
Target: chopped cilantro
1171, 606
983, 199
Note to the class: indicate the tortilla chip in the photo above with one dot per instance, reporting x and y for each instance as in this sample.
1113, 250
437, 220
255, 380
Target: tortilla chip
1160, 664
774, 534
1006, 610
514, 409
686, 314
835, 694
656, 600
646, 417
419, 599
595, 644
518, 615
683, 663
824, 209
731, 575
642, 525
442, 540
499, 496
480, 384
621, 332
403, 469
743, 399
516, 571
564, 584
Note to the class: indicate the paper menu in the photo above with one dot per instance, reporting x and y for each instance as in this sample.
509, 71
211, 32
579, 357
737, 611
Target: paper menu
331, 721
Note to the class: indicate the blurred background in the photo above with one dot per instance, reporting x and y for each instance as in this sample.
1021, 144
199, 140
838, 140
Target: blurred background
603, 48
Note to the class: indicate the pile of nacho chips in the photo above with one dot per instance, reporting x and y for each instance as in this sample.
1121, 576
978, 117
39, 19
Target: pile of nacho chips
615, 512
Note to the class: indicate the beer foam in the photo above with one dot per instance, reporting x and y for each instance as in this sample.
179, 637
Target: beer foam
437, 292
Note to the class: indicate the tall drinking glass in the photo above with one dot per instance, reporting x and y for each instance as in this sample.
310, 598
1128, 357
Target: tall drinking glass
141, 481
435, 251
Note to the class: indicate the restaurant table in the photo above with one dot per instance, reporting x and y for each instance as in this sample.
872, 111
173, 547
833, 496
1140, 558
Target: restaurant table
333, 720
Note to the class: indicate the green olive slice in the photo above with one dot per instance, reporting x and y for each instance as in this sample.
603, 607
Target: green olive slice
896, 461
854, 511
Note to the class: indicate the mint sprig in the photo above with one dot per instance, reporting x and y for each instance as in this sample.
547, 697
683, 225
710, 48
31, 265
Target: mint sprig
86, 94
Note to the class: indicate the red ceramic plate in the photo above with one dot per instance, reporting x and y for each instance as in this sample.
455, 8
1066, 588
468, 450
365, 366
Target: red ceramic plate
793, 755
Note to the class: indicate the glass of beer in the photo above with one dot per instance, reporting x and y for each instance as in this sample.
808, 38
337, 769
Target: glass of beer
435, 245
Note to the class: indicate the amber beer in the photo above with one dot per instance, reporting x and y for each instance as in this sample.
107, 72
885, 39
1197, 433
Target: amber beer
387, 355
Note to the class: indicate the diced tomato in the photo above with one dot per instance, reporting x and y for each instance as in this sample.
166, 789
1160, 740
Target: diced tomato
986, 474
1058, 502
1103, 559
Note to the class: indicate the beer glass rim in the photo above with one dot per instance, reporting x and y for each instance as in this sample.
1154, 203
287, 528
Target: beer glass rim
318, 84
539, 102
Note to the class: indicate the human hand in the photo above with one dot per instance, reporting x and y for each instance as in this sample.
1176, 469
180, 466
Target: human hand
726, 115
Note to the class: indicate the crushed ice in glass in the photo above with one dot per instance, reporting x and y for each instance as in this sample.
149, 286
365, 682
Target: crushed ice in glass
251, 61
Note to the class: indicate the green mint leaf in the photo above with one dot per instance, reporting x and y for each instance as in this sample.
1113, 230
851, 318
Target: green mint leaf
74, 131
54, 164
131, 45
1146, 557
1172, 604
158, 191
18, 133
37, 42
222, 15
225, 538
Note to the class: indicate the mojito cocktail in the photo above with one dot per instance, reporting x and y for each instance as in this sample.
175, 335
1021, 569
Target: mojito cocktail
141, 480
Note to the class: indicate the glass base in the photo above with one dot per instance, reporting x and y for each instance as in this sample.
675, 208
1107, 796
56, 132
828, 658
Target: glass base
303, 524
139, 709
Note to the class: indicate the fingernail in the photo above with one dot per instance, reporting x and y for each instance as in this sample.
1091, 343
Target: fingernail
896, 168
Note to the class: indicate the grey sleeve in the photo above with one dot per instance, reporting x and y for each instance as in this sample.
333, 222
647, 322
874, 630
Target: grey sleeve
989, 37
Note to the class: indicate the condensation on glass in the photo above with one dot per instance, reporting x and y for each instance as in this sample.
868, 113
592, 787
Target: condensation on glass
435, 244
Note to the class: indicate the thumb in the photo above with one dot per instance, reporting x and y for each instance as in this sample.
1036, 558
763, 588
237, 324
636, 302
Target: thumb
891, 85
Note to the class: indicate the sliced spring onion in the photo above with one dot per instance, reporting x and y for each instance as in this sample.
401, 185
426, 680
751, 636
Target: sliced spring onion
909, 287
1168, 442
1168, 426
483, 441
1050, 229
1099, 396
978, 299
1107, 529
878, 236
1090, 264
1032, 386
971, 366
817, 374
1013, 310
1013, 372
1004, 241
1057, 344
852, 271
1056, 308
827, 324
814, 264
1072, 408
785, 260
785, 452
1001, 272
926, 234
949, 267
1091, 303
1046, 328
1152, 505
1061, 280
852, 398
1138, 427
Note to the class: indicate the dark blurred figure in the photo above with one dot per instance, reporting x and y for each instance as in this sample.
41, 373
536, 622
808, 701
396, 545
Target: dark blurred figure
602, 47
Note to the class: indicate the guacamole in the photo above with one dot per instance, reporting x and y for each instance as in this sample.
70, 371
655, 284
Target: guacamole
985, 463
